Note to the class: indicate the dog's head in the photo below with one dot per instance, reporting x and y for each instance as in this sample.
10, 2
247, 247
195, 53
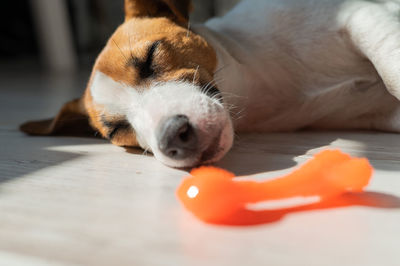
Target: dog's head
152, 86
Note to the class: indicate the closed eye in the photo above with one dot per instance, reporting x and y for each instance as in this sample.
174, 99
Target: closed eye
146, 67
213, 92
115, 126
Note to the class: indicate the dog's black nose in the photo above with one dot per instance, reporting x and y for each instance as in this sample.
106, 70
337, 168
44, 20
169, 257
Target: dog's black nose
177, 139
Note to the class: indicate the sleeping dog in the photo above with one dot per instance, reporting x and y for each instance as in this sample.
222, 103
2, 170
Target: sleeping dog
268, 65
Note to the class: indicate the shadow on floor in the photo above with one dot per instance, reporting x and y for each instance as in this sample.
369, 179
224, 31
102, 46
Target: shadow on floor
258, 153
247, 217
21, 154
252, 154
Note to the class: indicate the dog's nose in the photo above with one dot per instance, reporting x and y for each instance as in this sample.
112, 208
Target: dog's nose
177, 139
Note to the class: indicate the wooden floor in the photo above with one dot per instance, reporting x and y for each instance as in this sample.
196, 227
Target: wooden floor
77, 201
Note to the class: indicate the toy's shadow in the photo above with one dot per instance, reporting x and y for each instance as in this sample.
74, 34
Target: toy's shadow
260, 153
247, 217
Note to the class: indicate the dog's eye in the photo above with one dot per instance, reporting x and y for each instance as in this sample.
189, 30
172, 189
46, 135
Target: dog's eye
214, 92
146, 67
116, 126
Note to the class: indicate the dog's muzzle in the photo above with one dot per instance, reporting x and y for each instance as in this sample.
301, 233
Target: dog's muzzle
177, 139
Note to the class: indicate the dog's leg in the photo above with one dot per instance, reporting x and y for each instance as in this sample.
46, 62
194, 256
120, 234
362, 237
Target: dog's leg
374, 28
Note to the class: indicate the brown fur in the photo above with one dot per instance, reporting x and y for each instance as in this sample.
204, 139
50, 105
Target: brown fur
177, 10
177, 57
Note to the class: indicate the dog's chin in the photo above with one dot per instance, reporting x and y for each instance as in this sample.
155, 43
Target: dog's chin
212, 153
220, 146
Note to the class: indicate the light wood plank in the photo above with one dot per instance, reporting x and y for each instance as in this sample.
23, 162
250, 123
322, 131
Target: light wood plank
76, 201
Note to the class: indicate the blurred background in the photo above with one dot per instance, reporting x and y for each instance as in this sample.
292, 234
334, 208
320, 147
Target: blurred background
48, 47
66, 35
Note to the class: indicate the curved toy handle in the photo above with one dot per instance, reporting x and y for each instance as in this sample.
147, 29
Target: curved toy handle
328, 174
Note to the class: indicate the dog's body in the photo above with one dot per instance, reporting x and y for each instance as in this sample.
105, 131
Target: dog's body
296, 63
280, 65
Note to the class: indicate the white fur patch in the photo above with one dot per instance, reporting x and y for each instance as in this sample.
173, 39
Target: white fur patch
208, 116
147, 108
116, 97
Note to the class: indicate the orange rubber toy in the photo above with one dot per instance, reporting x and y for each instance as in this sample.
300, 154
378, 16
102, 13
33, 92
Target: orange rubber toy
212, 195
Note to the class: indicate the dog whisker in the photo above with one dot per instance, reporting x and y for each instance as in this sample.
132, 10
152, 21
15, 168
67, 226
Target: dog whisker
188, 29
145, 151
195, 73
120, 50
130, 46
221, 68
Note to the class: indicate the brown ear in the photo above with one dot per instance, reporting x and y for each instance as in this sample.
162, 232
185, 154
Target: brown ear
178, 10
72, 120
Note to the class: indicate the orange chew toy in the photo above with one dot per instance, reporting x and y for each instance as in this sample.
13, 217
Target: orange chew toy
212, 195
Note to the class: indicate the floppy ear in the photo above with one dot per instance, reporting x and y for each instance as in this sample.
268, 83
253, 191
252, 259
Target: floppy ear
72, 120
178, 10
